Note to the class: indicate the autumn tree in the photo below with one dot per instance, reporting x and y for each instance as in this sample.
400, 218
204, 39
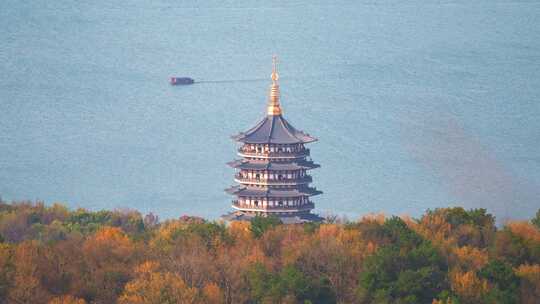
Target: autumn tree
50, 254
518, 243
530, 283
468, 287
109, 258
212, 294
26, 286
457, 226
333, 254
151, 286
6, 271
67, 299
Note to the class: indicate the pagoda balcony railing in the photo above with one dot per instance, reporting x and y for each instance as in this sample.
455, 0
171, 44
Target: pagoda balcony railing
243, 152
263, 181
245, 207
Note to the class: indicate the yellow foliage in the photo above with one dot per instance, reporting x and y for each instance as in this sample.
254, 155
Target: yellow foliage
111, 239
529, 272
212, 294
292, 244
525, 230
468, 286
530, 283
27, 287
67, 300
5, 255
374, 217
166, 232
240, 230
147, 267
436, 229
150, 287
108, 251
468, 257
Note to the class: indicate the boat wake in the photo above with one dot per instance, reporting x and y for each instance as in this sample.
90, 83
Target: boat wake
231, 80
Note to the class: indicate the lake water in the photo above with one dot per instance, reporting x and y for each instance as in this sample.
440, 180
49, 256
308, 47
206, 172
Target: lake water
416, 104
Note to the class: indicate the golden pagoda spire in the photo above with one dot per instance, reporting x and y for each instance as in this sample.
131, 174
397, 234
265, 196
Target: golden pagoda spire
273, 104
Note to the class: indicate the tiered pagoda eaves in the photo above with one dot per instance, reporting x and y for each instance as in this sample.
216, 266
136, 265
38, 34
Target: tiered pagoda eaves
272, 172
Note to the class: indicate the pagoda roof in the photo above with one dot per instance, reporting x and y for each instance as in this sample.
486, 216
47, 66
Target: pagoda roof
262, 165
269, 192
297, 218
274, 129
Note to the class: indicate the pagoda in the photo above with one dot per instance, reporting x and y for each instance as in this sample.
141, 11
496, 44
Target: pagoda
272, 174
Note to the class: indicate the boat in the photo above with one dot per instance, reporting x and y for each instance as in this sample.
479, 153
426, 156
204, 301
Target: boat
181, 80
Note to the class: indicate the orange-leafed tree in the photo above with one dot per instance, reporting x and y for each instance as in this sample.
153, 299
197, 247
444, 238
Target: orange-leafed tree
334, 254
530, 283
109, 258
212, 294
518, 243
468, 258
28, 275
67, 299
525, 230
151, 286
468, 286
6, 271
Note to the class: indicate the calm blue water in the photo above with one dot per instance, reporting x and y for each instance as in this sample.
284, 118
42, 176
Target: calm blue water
416, 104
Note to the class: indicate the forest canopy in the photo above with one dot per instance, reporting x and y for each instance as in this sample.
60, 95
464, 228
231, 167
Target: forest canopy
51, 254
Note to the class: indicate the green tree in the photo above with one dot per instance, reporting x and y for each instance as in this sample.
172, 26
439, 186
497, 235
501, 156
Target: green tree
503, 280
262, 284
289, 283
407, 270
260, 224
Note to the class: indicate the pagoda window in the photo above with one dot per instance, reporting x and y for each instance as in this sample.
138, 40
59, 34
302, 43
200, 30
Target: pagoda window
280, 177
256, 203
280, 203
258, 176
